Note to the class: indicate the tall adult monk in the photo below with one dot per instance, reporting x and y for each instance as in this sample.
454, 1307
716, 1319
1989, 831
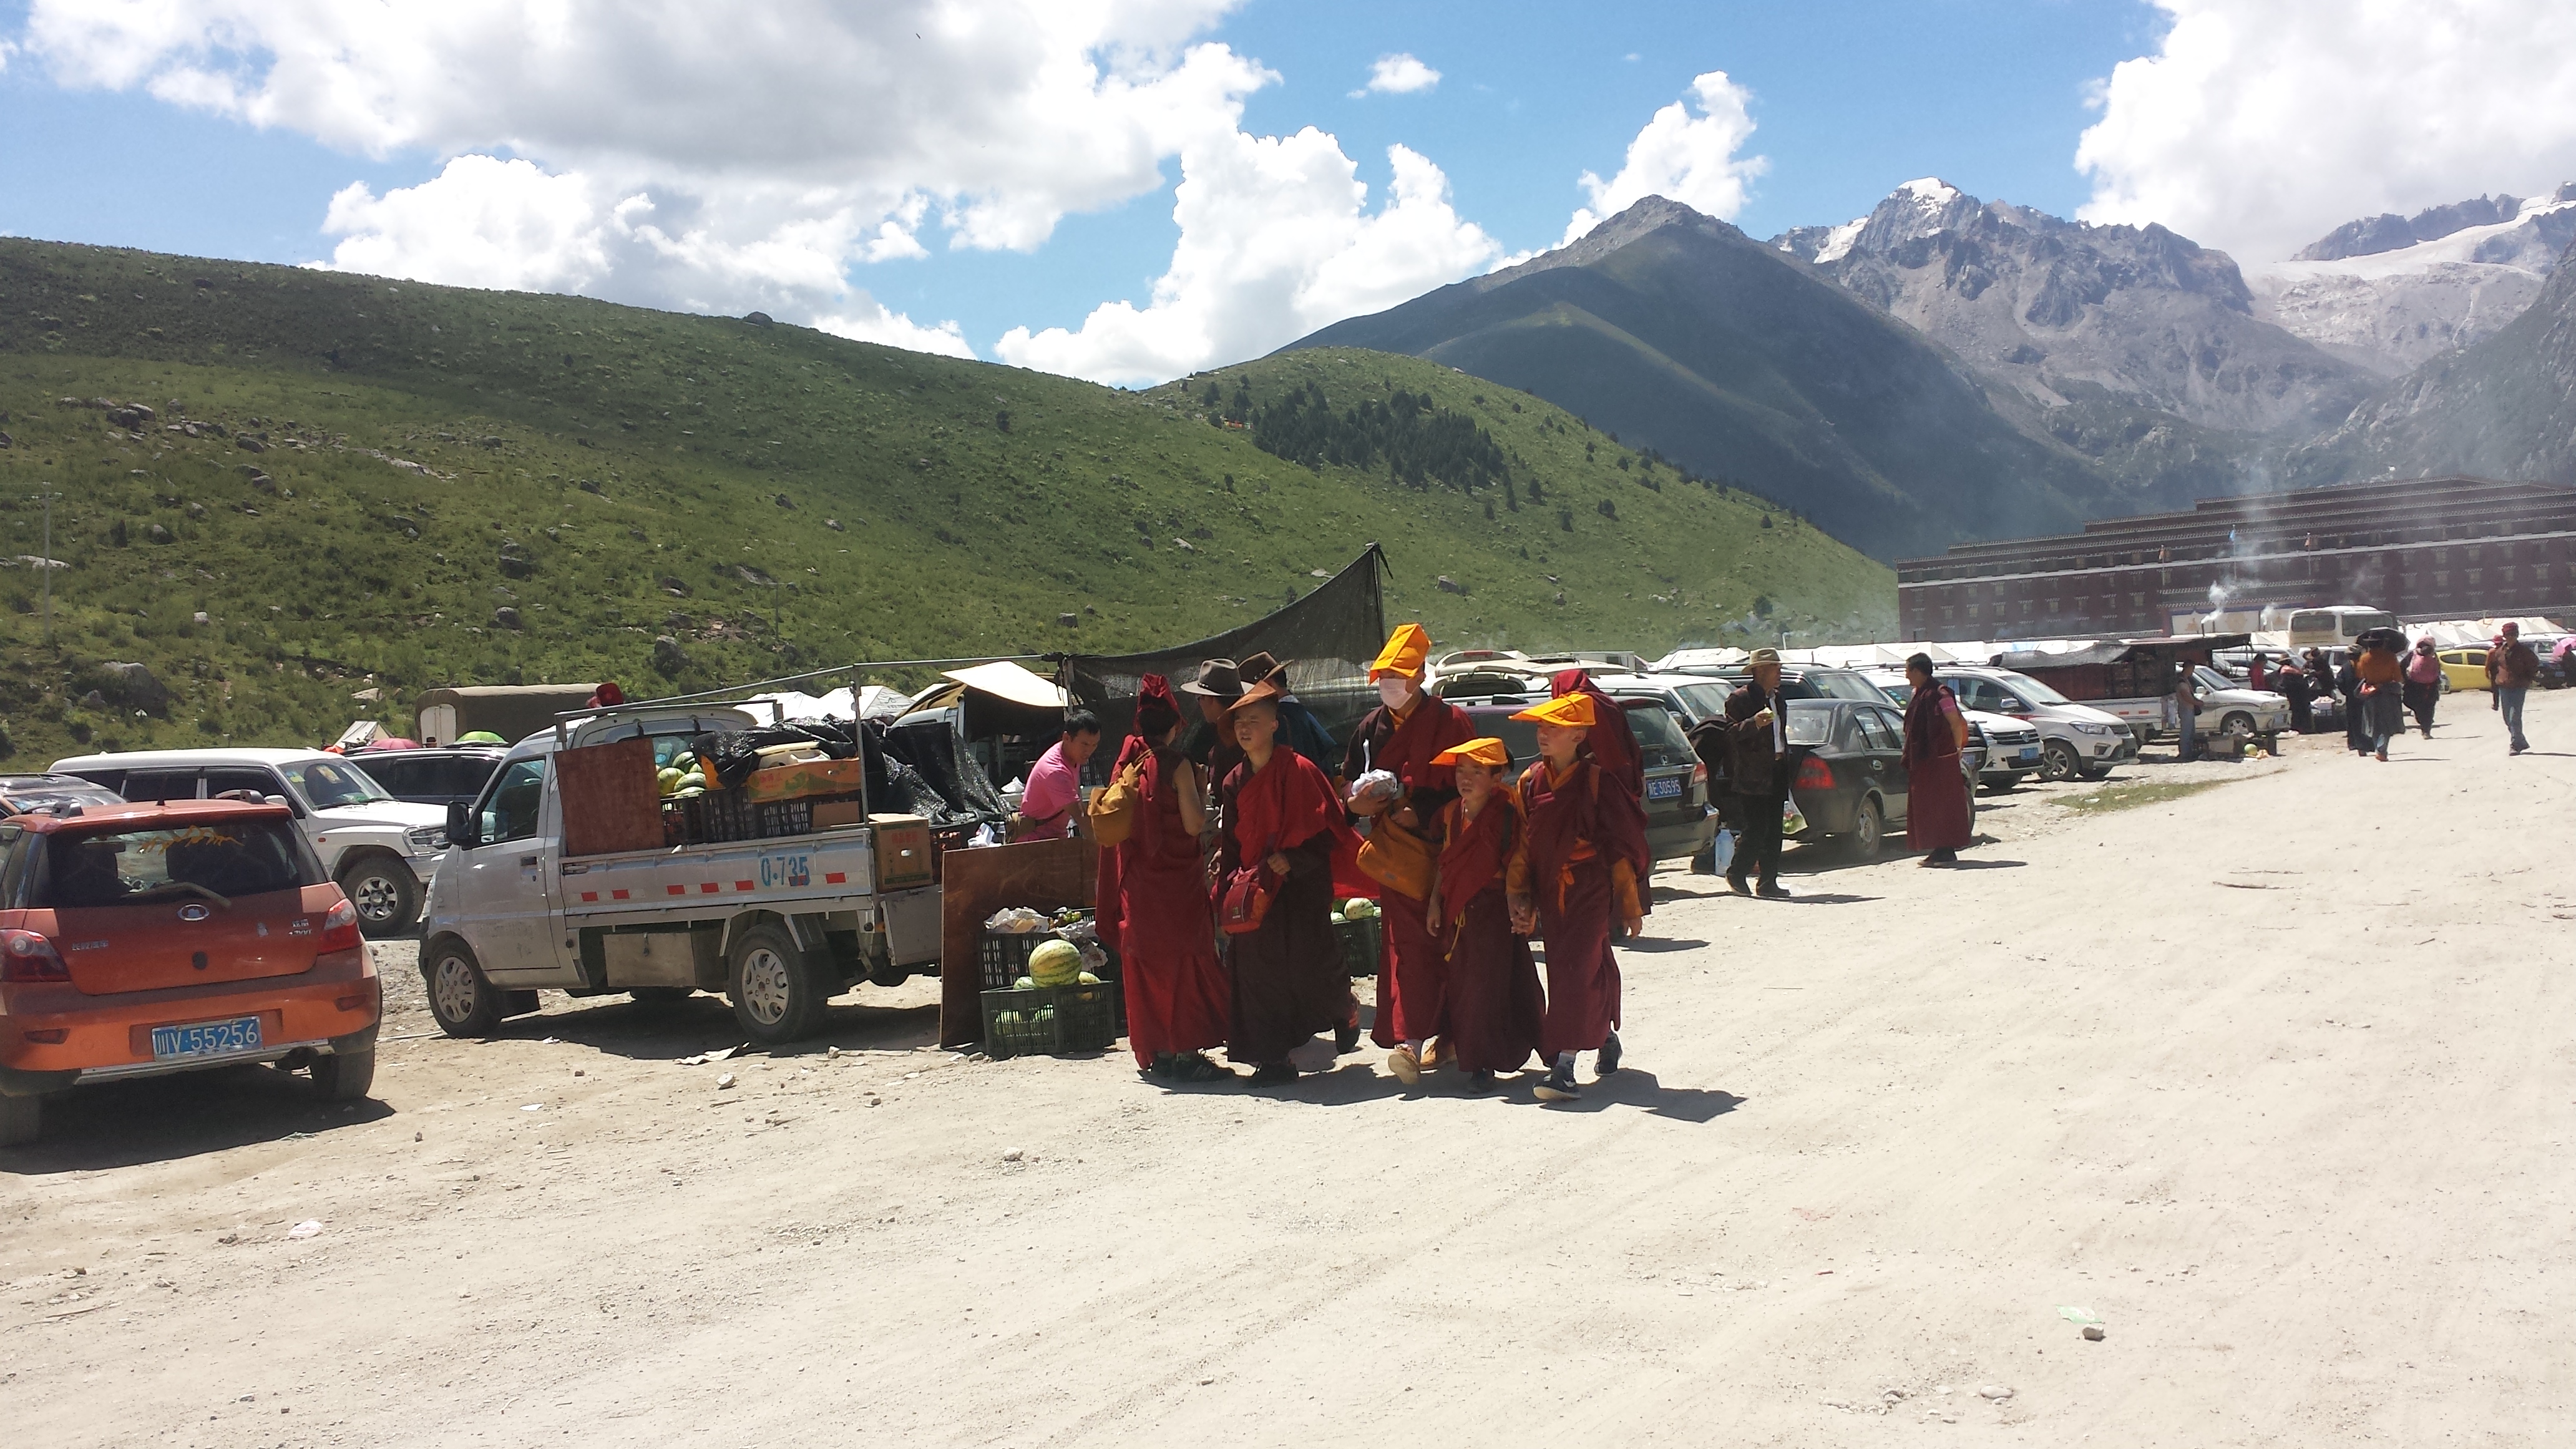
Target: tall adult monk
1583, 879
1278, 819
1154, 903
1937, 814
1404, 736
1496, 1010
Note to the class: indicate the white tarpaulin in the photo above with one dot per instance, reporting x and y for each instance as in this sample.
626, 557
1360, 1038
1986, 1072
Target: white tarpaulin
875, 701
1011, 682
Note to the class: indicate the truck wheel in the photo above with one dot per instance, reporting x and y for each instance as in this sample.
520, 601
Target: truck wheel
387, 898
345, 1076
464, 1003
777, 996
2059, 762
1868, 832
21, 1120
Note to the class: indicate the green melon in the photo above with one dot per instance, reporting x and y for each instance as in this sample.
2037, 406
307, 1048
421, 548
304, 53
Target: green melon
1055, 963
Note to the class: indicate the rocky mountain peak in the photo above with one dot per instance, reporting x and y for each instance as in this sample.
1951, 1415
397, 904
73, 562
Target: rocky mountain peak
2388, 232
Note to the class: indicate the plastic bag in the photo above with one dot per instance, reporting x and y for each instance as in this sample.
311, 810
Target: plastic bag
1722, 850
1792, 821
1379, 783
1015, 920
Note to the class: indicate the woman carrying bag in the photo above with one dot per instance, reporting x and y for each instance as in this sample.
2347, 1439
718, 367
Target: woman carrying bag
1154, 900
1278, 830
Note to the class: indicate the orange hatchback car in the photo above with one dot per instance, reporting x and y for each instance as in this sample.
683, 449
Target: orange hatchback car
137, 940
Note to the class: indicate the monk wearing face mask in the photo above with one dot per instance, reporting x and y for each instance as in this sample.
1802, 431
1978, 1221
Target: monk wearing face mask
1403, 738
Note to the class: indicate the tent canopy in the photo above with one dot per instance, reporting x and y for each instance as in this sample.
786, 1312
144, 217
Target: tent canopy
1011, 682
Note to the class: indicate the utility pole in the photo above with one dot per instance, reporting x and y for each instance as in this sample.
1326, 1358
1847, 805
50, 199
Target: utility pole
46, 495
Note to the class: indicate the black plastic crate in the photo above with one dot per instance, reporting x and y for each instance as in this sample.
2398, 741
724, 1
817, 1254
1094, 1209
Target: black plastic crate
1002, 957
1050, 1021
785, 817
1363, 944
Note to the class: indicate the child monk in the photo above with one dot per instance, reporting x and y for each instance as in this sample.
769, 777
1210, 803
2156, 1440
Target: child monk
1495, 1006
1585, 860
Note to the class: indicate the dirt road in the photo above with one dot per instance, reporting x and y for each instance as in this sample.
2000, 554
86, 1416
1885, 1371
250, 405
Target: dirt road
2276, 1080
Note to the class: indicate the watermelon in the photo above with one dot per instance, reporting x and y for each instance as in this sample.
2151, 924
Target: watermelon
1088, 979
1055, 963
669, 781
1025, 983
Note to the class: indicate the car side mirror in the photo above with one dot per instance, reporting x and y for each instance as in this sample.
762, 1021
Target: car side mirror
460, 824
274, 799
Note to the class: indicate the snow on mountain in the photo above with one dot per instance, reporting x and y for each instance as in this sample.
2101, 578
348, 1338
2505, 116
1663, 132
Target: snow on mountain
2060, 312
2390, 293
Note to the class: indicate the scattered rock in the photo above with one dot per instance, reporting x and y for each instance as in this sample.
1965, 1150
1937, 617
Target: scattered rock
134, 417
196, 510
305, 1229
1448, 585
516, 561
249, 444
1183, 545
668, 658
750, 575
725, 1082
199, 618
673, 587
589, 485
833, 524
1068, 620
758, 319
135, 686
505, 617
8, 442
157, 534
2093, 1332
1560, 598
1013, 1155
786, 502
1993, 1391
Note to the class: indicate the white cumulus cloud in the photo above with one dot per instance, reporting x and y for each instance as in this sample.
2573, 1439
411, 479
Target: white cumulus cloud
675, 153
2260, 125
1398, 74
1682, 157
1276, 241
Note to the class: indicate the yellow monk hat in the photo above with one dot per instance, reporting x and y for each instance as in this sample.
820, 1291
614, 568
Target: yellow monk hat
1487, 751
1405, 650
1571, 710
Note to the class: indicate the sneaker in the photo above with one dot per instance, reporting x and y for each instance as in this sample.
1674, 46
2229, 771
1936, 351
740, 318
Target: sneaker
1272, 1074
1406, 1067
1481, 1082
1607, 1060
1558, 1086
1195, 1067
1772, 890
1346, 1039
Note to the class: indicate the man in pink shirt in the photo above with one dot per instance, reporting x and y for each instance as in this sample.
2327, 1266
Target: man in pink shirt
1055, 781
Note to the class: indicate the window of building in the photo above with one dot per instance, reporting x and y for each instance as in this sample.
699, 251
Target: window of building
2474, 576
1948, 614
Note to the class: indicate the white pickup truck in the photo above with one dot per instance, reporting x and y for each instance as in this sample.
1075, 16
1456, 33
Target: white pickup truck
779, 925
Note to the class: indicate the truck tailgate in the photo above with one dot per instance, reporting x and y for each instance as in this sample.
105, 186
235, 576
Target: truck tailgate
805, 868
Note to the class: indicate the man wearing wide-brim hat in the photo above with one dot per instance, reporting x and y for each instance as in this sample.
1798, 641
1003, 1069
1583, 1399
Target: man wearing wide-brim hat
1211, 745
1757, 775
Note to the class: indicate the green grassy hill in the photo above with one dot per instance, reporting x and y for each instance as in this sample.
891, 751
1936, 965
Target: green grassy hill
346, 484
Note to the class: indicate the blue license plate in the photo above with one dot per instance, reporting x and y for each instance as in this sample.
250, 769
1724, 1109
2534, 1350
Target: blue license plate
2029, 753
1667, 788
205, 1039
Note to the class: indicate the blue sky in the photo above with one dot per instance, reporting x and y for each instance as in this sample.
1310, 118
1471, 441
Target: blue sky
943, 188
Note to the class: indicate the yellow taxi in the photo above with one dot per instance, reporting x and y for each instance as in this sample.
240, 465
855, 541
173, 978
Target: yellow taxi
2464, 668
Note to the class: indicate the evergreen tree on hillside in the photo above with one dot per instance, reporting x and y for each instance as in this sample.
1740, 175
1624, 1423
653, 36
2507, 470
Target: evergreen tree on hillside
1418, 442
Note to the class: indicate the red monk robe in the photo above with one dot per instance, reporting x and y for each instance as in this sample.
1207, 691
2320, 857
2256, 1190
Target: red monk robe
1496, 1009
1612, 742
1586, 855
1289, 980
1154, 910
1413, 980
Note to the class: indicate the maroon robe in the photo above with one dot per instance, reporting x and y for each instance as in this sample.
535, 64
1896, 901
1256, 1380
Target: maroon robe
1577, 828
1496, 1009
1413, 980
1154, 908
1937, 816
1612, 740
1289, 981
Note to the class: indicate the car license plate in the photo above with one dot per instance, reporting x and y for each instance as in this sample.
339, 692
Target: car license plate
205, 1039
1667, 788
2029, 753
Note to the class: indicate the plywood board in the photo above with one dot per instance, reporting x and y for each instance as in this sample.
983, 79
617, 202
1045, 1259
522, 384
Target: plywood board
612, 801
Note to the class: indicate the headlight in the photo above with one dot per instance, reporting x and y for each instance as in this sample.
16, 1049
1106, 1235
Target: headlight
426, 838
2099, 729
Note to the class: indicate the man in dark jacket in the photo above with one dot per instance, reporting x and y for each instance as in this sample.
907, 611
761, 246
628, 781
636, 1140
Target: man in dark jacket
1757, 775
2511, 668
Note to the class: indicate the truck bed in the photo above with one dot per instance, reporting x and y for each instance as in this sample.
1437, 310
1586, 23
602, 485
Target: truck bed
827, 870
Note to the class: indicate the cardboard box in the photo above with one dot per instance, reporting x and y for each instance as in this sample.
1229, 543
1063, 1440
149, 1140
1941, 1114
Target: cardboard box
834, 814
798, 782
902, 851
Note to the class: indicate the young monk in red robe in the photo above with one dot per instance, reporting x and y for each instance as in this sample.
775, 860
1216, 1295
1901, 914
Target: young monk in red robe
1496, 1010
1404, 736
1586, 862
1154, 903
1277, 816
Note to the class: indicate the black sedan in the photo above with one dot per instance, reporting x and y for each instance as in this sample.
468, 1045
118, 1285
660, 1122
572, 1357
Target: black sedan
1676, 784
1849, 779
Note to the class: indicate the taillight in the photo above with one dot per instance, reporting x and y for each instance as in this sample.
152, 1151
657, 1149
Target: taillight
340, 928
1815, 774
1699, 773
28, 956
